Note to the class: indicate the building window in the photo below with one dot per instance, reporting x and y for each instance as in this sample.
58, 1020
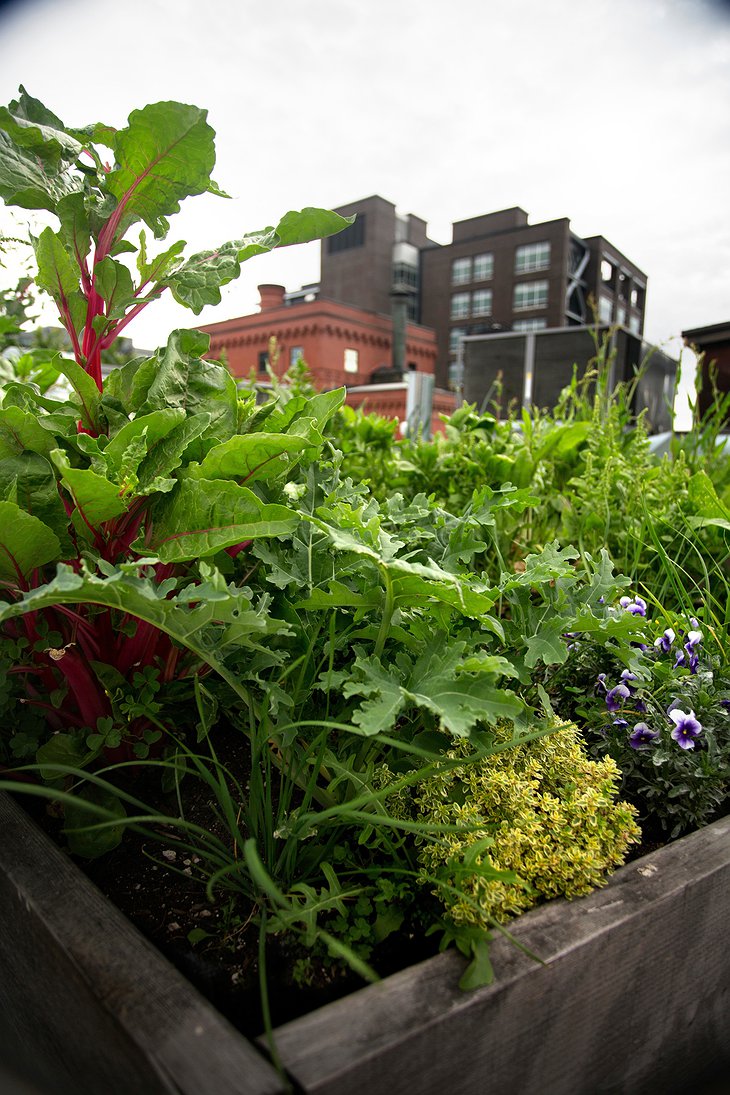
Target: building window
621, 316
351, 361
454, 335
483, 267
608, 272
294, 354
481, 302
605, 309
352, 236
460, 305
405, 276
531, 257
530, 294
460, 271
263, 360
637, 297
537, 323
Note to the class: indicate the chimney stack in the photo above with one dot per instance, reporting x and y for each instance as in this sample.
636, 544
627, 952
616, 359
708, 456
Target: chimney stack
272, 296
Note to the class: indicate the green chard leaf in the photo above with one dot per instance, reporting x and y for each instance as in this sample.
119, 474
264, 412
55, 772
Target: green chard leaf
59, 276
20, 430
198, 281
36, 152
28, 480
88, 394
179, 377
165, 154
201, 517
252, 456
25, 543
113, 282
96, 498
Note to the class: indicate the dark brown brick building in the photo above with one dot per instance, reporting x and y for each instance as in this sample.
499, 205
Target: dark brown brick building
498, 273
713, 343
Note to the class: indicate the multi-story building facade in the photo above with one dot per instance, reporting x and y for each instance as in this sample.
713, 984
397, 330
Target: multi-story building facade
376, 260
498, 273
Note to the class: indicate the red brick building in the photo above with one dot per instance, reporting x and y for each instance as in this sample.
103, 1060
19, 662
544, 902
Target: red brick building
343, 346
340, 343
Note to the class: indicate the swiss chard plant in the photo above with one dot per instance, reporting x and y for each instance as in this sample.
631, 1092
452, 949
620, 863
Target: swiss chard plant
159, 468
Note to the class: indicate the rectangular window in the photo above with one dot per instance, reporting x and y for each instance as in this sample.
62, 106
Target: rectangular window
351, 361
621, 316
532, 256
530, 294
605, 309
294, 354
460, 305
634, 324
537, 323
461, 271
405, 276
481, 302
608, 272
455, 334
263, 360
483, 267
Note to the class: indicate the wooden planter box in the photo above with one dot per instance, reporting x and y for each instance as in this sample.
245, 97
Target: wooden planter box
634, 996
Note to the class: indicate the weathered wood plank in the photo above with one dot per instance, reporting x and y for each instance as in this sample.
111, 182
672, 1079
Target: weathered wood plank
86, 1004
634, 998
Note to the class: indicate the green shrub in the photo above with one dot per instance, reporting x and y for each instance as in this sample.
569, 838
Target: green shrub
550, 813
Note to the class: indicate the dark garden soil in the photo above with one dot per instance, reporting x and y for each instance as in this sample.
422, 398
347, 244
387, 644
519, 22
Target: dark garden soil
166, 905
161, 890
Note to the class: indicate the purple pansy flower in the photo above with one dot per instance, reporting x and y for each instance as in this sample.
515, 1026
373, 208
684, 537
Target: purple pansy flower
686, 727
694, 638
635, 605
642, 735
679, 660
665, 641
626, 677
616, 696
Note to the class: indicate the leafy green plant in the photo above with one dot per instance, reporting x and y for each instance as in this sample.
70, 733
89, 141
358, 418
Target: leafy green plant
163, 463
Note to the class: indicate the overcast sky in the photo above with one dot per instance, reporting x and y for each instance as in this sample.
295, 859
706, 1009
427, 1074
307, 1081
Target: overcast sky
615, 113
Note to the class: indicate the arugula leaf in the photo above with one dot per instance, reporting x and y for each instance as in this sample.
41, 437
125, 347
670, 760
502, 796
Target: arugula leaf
437, 682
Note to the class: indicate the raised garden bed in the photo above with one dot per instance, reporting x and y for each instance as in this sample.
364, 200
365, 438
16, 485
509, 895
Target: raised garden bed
633, 996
